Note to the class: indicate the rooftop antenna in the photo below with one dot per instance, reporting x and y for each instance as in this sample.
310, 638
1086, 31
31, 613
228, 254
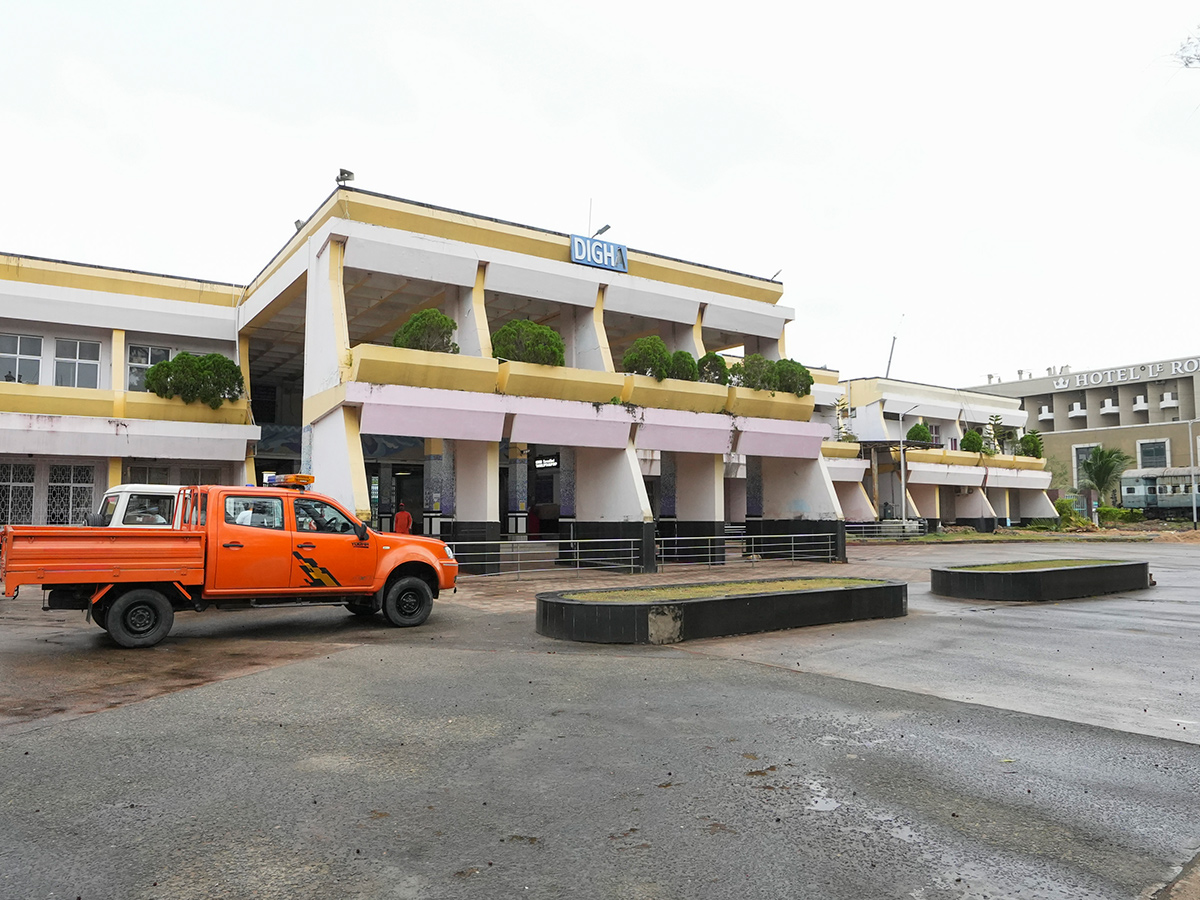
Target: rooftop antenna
893, 350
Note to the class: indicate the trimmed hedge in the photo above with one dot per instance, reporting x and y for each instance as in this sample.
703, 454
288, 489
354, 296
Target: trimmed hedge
212, 379
521, 340
429, 329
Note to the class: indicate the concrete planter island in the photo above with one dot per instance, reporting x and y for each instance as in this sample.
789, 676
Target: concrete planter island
572, 616
1057, 579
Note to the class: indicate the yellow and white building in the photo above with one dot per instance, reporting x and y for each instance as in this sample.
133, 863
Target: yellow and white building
942, 484
75, 342
472, 444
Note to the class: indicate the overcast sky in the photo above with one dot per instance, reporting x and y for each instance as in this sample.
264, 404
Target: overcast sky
1001, 186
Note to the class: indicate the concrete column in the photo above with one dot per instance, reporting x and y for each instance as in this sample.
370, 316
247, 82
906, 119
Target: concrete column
332, 447
973, 508
337, 460
326, 332
438, 485
115, 467
766, 347
585, 344
799, 499
466, 307
477, 504
118, 376
612, 508
518, 489
699, 493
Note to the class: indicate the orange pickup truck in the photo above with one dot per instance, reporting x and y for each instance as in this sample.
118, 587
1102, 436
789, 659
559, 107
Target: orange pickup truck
231, 548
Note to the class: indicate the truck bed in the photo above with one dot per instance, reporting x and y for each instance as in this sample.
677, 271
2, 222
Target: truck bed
53, 555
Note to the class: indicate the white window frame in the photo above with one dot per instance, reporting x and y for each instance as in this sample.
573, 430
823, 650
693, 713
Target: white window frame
1166, 441
131, 367
76, 360
18, 356
1075, 460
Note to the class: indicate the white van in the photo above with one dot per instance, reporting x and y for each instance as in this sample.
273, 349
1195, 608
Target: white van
137, 505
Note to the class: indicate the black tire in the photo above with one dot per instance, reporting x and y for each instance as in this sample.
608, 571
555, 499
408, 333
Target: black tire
140, 618
365, 610
408, 602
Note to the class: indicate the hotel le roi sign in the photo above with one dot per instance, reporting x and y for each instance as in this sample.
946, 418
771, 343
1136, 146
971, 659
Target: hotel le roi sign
601, 254
1148, 372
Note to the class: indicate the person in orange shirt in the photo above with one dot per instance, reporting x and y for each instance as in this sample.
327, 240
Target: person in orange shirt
403, 524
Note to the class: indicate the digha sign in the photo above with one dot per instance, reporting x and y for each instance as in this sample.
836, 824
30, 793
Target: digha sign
601, 254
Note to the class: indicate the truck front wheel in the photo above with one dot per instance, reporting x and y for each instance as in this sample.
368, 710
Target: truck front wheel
408, 602
140, 618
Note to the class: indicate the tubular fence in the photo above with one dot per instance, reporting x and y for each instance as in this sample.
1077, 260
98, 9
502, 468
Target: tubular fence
888, 529
485, 558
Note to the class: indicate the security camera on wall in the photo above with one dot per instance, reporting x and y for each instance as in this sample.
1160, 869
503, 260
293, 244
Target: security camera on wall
344, 175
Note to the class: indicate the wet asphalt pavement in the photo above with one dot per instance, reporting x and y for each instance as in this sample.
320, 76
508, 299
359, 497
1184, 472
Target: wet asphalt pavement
966, 751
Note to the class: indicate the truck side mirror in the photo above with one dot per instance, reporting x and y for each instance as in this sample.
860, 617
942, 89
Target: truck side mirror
360, 529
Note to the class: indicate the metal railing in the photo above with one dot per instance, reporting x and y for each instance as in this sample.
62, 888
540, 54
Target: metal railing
623, 555
888, 529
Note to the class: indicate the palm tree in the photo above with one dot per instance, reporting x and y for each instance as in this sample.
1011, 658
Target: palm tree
1101, 472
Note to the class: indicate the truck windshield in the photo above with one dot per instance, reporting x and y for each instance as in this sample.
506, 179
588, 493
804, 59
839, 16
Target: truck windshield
107, 508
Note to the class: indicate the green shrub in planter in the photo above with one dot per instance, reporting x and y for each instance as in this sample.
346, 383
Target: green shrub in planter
212, 379
919, 432
1031, 445
713, 368
429, 329
521, 340
755, 372
972, 442
648, 356
792, 378
683, 366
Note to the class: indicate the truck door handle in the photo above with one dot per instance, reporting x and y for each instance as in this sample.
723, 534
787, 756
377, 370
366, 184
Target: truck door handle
306, 546
233, 545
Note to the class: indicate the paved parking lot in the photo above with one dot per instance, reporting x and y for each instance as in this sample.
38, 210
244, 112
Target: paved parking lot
968, 750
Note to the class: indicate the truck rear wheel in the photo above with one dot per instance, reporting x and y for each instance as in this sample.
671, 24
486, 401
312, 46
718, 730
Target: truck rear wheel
408, 602
140, 618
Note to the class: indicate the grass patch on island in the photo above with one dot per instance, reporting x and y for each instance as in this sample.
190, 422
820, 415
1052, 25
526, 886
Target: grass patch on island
668, 592
1039, 564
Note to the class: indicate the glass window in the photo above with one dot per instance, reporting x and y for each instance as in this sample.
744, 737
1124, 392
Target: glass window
1153, 454
316, 515
77, 364
149, 475
256, 512
20, 358
141, 358
149, 509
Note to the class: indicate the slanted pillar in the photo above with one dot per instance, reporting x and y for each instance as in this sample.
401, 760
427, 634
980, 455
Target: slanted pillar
798, 498
465, 306
331, 444
612, 508
973, 508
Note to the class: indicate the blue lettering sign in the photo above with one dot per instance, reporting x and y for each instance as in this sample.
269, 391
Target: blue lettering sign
601, 254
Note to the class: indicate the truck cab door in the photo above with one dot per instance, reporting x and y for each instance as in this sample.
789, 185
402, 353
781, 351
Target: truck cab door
253, 548
327, 555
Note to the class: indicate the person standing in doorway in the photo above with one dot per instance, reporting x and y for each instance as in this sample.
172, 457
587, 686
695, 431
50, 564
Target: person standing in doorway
403, 523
